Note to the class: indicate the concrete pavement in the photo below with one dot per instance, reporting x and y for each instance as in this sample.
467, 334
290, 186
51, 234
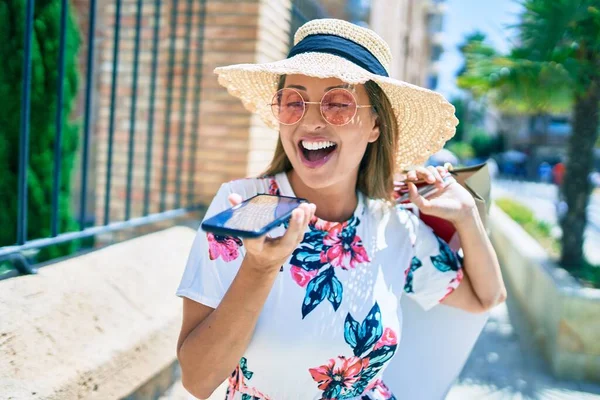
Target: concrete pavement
506, 363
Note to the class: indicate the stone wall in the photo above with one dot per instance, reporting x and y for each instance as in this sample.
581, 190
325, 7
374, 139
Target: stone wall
565, 316
97, 326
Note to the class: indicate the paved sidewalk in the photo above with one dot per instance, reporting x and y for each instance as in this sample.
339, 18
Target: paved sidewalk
506, 364
177, 392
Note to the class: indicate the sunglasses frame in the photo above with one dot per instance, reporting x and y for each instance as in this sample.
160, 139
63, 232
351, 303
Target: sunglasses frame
320, 103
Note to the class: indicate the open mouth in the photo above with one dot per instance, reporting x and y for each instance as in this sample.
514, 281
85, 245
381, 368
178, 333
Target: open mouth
316, 153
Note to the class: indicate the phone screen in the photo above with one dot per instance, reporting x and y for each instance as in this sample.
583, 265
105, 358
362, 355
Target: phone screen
254, 214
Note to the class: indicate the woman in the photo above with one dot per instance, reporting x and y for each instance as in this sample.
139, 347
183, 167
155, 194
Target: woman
312, 311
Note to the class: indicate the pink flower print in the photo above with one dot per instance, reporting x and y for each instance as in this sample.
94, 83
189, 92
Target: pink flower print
345, 248
389, 338
342, 371
273, 187
226, 247
237, 382
453, 284
326, 225
379, 387
302, 276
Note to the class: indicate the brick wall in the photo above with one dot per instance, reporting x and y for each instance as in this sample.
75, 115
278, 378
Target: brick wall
163, 125
231, 35
272, 44
230, 142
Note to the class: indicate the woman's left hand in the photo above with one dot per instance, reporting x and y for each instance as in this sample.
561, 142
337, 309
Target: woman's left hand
451, 202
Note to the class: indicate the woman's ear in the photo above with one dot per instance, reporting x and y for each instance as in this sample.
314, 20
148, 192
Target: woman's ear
375, 132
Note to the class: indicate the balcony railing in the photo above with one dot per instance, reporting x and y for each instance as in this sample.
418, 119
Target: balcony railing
138, 37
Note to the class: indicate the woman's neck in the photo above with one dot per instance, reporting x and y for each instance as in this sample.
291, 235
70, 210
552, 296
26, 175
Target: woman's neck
334, 203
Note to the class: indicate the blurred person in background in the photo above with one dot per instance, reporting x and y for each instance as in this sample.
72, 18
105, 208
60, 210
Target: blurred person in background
558, 173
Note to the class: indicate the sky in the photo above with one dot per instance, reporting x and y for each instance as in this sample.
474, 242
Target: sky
466, 16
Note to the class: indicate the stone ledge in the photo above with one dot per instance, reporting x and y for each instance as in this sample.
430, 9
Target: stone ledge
565, 316
97, 326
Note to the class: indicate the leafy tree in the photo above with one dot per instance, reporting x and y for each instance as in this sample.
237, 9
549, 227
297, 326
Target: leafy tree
483, 144
460, 106
555, 68
462, 150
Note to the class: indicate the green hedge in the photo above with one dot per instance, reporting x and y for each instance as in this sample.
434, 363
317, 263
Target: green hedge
44, 79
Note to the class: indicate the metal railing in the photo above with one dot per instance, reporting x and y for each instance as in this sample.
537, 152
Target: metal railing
15, 252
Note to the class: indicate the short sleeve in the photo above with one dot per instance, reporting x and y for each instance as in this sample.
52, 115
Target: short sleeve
435, 269
213, 260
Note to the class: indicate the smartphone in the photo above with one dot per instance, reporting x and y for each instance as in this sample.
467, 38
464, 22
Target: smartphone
253, 217
423, 188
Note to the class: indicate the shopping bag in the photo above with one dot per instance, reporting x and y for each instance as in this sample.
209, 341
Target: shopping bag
476, 179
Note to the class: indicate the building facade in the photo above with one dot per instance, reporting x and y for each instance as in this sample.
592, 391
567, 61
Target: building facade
194, 133
414, 31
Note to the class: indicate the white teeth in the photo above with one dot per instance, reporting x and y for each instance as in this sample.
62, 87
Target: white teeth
316, 145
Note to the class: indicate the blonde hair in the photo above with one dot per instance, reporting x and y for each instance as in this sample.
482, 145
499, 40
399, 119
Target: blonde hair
376, 171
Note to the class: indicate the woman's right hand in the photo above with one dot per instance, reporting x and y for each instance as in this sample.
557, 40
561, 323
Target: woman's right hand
268, 254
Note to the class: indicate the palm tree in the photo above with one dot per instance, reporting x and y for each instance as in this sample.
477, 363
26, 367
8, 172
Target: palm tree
554, 68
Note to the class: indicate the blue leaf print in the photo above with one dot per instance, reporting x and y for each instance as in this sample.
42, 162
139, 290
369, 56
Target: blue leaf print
351, 331
306, 258
314, 238
332, 392
244, 367
335, 294
246, 396
377, 359
326, 246
446, 260
353, 222
348, 378
316, 291
408, 283
370, 331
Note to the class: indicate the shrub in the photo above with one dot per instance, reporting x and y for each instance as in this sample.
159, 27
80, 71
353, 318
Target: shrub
44, 77
518, 212
462, 150
483, 144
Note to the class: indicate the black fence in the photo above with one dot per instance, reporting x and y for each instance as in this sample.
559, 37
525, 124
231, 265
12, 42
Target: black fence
28, 194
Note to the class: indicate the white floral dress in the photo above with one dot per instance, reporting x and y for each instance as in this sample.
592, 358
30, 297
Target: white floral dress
332, 321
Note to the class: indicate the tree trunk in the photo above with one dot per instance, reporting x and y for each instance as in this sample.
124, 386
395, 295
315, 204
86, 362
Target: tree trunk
576, 187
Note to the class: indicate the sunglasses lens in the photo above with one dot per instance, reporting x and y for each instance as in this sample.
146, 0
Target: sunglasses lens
288, 106
338, 106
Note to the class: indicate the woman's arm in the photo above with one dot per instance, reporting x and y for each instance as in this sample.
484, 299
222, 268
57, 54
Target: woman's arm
212, 341
482, 286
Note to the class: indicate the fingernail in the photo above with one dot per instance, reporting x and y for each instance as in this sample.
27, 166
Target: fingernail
298, 217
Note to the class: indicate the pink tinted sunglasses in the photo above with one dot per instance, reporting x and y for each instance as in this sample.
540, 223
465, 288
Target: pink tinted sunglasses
338, 106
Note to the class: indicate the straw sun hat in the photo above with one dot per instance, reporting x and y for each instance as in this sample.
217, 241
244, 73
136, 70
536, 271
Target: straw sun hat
325, 48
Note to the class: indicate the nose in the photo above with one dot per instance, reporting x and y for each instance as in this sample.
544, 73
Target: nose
312, 117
